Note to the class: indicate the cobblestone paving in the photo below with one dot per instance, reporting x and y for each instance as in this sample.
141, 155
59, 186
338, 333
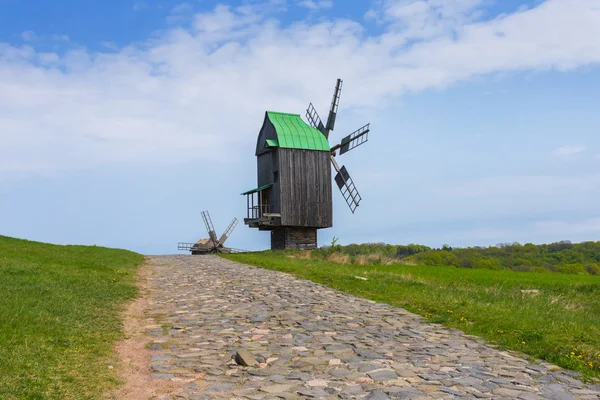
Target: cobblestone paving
313, 342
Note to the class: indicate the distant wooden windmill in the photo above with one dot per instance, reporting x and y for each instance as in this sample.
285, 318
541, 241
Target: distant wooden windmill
211, 244
293, 198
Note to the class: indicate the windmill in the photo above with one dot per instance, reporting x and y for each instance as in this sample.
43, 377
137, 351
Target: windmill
294, 194
210, 244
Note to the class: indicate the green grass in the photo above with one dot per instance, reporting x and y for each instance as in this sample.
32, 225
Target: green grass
560, 324
59, 318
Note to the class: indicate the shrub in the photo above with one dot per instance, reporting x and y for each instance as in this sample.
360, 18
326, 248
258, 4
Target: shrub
593, 269
338, 258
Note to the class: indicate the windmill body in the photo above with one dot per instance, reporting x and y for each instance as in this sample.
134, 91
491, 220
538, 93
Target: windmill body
293, 198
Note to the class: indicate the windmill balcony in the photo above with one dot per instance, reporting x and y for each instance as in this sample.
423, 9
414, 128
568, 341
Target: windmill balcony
259, 212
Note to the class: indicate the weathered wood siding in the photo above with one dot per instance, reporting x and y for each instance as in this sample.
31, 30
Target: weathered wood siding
294, 238
268, 165
267, 131
305, 188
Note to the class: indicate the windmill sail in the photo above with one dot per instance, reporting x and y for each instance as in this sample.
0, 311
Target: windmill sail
209, 227
334, 108
228, 231
349, 191
313, 119
355, 139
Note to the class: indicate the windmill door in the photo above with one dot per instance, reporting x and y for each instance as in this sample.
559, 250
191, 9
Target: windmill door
265, 201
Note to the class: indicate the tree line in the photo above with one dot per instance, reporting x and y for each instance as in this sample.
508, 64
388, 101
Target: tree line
561, 257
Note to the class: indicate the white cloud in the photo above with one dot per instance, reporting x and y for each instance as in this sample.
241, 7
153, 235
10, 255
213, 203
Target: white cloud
419, 19
48, 58
180, 14
371, 15
60, 38
139, 6
28, 36
201, 93
316, 5
568, 151
181, 8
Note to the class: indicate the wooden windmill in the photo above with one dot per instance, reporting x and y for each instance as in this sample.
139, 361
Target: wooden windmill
294, 197
212, 244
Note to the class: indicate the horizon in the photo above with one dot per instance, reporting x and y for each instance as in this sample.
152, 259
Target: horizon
325, 246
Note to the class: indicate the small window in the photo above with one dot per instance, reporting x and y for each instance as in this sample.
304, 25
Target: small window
275, 176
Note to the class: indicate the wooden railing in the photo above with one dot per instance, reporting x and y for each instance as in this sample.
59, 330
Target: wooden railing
257, 211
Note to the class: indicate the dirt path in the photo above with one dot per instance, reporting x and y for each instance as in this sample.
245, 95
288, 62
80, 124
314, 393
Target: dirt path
134, 355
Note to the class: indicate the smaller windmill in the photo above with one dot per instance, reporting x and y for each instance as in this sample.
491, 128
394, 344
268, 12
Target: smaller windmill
211, 244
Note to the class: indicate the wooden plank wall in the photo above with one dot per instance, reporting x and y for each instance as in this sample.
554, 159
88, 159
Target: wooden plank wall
267, 131
294, 238
265, 169
267, 164
305, 188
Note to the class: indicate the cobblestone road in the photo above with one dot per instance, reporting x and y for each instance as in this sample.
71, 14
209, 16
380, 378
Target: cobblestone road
313, 342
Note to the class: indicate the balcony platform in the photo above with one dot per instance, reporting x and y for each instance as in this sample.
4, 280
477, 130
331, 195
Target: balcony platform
267, 221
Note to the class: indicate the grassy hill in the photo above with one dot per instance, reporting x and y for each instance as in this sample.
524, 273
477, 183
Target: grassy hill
555, 317
59, 317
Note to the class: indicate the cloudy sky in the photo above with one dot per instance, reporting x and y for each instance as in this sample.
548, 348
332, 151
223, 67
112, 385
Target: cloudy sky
121, 120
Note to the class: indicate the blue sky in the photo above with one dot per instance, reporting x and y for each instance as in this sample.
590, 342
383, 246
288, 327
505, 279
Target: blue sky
121, 120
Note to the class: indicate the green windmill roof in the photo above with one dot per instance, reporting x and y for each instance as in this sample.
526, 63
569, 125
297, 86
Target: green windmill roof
294, 133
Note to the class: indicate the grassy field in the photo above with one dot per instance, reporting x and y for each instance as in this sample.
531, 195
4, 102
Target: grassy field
555, 317
59, 318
